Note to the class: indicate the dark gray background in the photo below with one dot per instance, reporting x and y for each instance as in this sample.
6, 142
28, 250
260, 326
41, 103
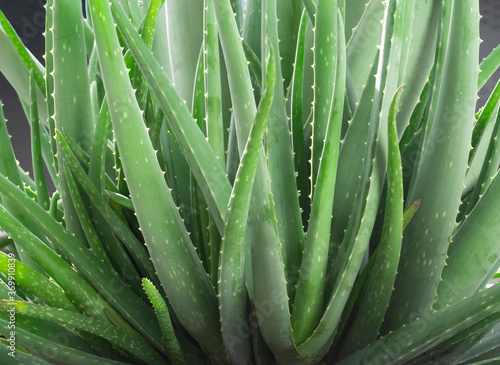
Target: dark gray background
27, 17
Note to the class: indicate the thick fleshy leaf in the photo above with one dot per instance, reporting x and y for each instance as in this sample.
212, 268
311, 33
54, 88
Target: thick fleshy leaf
434, 328
130, 342
232, 295
208, 172
366, 325
308, 304
169, 245
37, 284
445, 154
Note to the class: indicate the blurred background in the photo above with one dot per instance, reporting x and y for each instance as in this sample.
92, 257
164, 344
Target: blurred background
28, 18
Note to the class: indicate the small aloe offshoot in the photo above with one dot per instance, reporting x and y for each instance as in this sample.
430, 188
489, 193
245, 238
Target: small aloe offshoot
252, 184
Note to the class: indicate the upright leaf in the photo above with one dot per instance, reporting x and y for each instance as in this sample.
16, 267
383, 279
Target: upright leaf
179, 269
308, 304
232, 294
445, 154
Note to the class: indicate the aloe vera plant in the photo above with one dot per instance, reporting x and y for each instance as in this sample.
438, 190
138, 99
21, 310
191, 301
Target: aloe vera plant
279, 182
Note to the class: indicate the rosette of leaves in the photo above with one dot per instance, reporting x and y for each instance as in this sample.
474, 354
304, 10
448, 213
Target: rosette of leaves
280, 182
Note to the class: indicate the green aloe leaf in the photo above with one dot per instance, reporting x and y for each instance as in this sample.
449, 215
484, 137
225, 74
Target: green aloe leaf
351, 160
289, 13
97, 163
10, 169
28, 59
84, 218
481, 136
120, 228
433, 329
133, 343
308, 304
325, 61
366, 325
297, 106
353, 12
49, 81
488, 170
8, 162
147, 34
18, 72
76, 287
280, 159
21, 357
73, 110
42, 192
488, 66
106, 281
170, 342
362, 45
232, 295
37, 284
468, 265
267, 271
185, 35
410, 212
456, 348
350, 254
54, 352
310, 7
422, 38
213, 97
445, 154
210, 176
177, 264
